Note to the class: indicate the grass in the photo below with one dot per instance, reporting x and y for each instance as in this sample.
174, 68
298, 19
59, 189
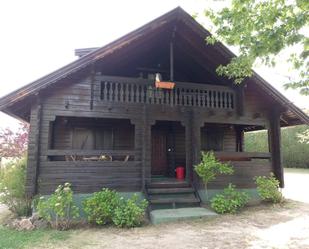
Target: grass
12, 239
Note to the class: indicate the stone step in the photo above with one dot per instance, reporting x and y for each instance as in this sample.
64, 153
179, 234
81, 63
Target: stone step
170, 215
170, 190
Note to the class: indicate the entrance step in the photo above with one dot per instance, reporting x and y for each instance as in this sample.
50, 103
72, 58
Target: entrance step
178, 214
171, 193
170, 190
174, 200
168, 184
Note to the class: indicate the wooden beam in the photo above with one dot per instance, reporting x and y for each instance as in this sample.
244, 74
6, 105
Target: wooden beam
92, 79
171, 61
188, 143
274, 135
240, 99
34, 148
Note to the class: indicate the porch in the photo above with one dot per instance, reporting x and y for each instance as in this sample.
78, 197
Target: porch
124, 155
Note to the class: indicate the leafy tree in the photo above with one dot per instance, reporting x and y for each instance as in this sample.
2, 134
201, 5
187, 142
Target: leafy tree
261, 29
265, 31
14, 143
304, 137
210, 167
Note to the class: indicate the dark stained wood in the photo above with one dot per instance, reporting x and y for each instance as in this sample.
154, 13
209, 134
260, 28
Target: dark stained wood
90, 152
33, 163
251, 155
274, 135
171, 61
100, 97
244, 172
158, 152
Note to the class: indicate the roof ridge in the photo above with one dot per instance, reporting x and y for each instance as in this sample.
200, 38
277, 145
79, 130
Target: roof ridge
88, 59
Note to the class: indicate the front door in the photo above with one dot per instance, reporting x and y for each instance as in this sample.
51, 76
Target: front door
158, 153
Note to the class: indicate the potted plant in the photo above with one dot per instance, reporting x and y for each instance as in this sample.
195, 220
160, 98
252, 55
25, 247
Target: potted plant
163, 84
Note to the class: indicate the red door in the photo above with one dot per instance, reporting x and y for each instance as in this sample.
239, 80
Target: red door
158, 153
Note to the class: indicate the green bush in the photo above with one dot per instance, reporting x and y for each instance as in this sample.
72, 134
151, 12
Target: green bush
130, 213
210, 167
230, 201
59, 209
100, 207
294, 153
268, 188
12, 187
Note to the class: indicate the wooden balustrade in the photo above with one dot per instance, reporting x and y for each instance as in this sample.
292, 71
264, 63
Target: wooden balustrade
130, 90
241, 156
91, 155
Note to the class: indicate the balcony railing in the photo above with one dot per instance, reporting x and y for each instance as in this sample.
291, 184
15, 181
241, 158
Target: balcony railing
130, 90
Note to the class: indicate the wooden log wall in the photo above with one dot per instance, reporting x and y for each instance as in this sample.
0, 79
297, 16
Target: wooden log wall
83, 99
244, 172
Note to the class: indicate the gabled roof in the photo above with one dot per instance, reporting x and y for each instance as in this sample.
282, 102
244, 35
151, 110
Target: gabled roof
178, 14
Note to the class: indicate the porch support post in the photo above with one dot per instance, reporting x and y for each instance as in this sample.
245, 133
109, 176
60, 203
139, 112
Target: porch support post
274, 138
193, 125
138, 146
188, 143
196, 141
146, 143
34, 148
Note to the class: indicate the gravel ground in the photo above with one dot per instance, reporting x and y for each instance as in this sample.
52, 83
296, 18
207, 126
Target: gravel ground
265, 226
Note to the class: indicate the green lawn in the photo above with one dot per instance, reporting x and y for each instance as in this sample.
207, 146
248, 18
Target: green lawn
12, 239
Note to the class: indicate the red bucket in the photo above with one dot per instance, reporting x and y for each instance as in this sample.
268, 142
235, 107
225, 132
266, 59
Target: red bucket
180, 173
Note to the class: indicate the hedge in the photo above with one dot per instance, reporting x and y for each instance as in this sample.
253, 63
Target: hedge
294, 153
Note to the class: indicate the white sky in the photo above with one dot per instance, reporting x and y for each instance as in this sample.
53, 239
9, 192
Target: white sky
37, 37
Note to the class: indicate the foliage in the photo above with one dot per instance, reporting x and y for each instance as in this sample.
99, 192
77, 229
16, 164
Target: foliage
210, 167
12, 239
130, 213
59, 209
230, 201
268, 188
100, 207
14, 144
304, 137
12, 187
261, 30
294, 154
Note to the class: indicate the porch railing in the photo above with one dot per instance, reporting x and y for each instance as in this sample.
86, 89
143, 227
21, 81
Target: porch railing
130, 90
91, 155
241, 156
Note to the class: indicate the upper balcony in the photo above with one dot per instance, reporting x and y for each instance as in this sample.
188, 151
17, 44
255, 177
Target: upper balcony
141, 91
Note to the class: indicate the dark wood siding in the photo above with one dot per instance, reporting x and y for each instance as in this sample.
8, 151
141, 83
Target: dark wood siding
68, 107
244, 172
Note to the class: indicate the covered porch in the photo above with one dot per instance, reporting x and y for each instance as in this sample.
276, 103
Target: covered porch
129, 154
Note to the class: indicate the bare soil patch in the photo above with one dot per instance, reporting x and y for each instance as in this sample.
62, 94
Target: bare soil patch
265, 226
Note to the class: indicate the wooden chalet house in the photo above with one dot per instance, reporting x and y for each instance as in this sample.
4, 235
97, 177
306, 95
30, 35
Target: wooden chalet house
101, 121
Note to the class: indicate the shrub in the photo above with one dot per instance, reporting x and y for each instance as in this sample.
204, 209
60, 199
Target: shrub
268, 188
130, 213
230, 201
210, 167
59, 208
12, 188
294, 153
100, 206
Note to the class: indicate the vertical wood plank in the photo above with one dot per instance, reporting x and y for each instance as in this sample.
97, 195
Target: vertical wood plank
34, 149
274, 134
